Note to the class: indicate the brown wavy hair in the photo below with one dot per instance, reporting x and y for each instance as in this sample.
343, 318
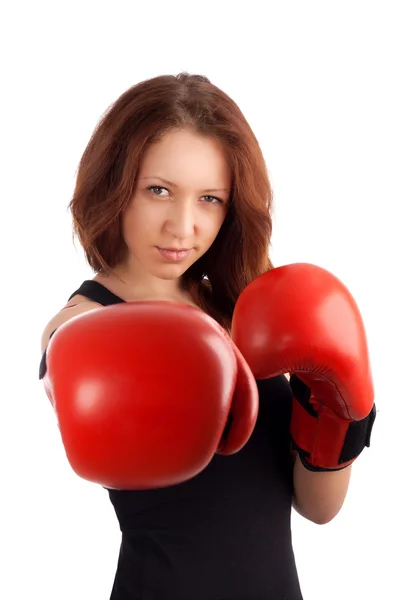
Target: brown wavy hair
108, 170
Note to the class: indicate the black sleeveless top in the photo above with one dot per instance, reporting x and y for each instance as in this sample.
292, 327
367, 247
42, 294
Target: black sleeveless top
223, 535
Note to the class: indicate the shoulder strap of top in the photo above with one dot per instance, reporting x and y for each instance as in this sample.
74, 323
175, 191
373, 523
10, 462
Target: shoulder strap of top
93, 290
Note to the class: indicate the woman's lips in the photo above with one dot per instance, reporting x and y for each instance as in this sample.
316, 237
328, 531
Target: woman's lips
173, 254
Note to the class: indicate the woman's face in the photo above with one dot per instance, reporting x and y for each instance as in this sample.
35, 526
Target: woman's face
180, 202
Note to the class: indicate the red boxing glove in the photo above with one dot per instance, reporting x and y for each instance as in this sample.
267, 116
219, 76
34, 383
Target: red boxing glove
301, 319
143, 392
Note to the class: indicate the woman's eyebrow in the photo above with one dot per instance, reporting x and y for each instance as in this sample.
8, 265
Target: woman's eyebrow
171, 184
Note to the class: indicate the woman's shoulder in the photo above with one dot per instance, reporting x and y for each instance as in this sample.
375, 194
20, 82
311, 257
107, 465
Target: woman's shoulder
77, 305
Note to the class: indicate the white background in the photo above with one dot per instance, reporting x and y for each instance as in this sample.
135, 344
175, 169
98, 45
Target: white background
319, 83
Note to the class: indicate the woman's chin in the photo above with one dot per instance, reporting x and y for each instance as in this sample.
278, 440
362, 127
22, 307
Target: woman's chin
169, 272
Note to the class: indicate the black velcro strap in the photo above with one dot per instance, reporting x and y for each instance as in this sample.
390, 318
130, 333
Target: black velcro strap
358, 437
302, 394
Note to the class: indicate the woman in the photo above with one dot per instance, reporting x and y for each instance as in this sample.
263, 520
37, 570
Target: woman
173, 203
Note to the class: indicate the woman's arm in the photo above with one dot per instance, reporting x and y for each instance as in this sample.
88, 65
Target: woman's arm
319, 496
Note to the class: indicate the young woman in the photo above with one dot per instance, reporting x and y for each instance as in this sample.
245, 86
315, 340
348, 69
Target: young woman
173, 207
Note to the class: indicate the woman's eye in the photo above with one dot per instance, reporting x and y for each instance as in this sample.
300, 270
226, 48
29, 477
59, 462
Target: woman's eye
156, 188
212, 198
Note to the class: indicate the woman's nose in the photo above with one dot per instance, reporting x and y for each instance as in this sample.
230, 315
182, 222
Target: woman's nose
182, 220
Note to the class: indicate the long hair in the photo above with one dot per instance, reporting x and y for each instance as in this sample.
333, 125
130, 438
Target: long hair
108, 170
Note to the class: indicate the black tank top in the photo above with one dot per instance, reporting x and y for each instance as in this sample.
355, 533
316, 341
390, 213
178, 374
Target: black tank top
223, 535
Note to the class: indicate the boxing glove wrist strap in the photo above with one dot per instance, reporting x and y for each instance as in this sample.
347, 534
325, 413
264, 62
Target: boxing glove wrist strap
324, 440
